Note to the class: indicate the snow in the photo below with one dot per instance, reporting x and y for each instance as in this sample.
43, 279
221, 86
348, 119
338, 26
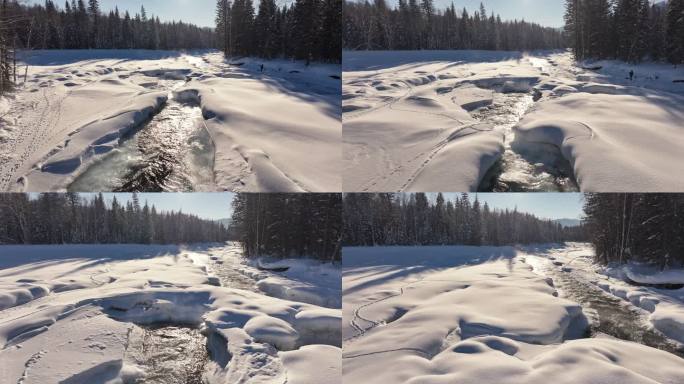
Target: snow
305, 280
436, 120
473, 315
636, 139
266, 329
664, 308
645, 274
325, 359
253, 118
81, 334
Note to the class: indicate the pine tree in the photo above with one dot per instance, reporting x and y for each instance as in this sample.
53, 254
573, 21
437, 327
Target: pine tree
94, 24
674, 31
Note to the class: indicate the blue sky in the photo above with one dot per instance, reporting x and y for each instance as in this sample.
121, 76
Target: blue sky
543, 205
201, 12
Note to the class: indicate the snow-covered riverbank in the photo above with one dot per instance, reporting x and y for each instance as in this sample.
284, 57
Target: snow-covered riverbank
662, 308
440, 120
82, 314
476, 315
77, 107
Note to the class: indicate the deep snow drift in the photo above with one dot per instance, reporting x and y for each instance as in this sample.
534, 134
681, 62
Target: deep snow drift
506, 121
276, 130
476, 315
89, 314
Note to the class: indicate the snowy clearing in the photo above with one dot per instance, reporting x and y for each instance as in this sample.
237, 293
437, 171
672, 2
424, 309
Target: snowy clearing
508, 121
102, 120
158, 314
478, 315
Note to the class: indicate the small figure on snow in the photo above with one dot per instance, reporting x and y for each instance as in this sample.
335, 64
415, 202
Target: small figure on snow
631, 75
262, 67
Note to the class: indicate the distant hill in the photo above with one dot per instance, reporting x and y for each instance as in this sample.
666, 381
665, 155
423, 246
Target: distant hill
569, 222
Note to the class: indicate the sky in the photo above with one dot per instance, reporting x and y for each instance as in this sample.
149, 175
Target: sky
201, 12
210, 206
543, 205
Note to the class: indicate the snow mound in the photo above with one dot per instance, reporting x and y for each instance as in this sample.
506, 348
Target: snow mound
283, 152
325, 360
81, 334
475, 315
643, 274
89, 142
304, 280
498, 360
266, 329
610, 131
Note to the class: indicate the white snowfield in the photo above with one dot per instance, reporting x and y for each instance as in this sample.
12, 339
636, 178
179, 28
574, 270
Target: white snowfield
436, 120
272, 131
475, 315
74, 314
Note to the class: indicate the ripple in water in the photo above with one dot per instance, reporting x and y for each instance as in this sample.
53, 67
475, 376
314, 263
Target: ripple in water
172, 152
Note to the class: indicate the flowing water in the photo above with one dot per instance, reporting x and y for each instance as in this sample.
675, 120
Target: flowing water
173, 152
609, 315
225, 270
177, 353
169, 354
523, 168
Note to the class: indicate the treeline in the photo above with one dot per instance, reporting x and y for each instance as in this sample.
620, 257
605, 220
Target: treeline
69, 218
305, 30
629, 30
8, 68
412, 219
637, 227
284, 225
414, 24
81, 25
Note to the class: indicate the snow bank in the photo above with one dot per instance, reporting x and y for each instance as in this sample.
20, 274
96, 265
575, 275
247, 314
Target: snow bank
89, 142
475, 315
644, 274
283, 152
499, 360
403, 114
657, 76
305, 280
266, 329
313, 364
80, 334
77, 105
636, 139
664, 306
411, 119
